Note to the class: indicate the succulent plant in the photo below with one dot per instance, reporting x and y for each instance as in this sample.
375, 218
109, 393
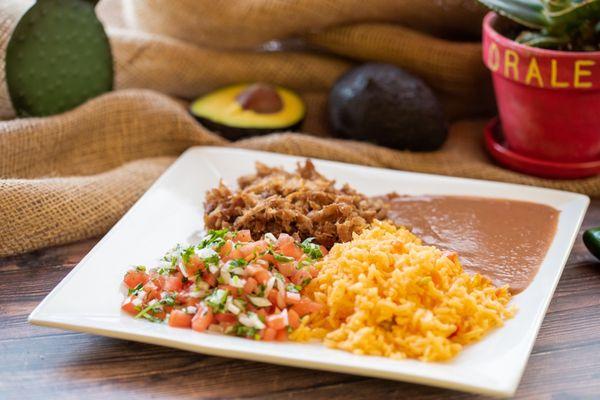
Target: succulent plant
556, 24
58, 56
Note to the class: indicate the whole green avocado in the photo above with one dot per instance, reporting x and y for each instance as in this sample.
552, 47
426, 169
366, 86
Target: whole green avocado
384, 104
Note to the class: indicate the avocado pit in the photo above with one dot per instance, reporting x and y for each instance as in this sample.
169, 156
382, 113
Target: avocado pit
260, 98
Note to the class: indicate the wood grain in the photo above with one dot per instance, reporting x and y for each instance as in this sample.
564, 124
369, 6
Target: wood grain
44, 363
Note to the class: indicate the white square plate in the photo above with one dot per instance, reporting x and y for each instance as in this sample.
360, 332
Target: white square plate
89, 298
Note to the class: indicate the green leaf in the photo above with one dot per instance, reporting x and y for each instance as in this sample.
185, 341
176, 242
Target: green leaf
525, 12
570, 17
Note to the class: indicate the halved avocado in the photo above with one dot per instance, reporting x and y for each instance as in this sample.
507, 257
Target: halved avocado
249, 109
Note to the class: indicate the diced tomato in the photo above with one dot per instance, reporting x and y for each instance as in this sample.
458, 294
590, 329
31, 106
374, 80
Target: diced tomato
306, 306
152, 290
134, 278
284, 238
301, 276
129, 307
225, 318
194, 265
253, 248
286, 269
243, 236
235, 292
277, 321
158, 314
226, 249
290, 249
313, 271
250, 285
173, 283
180, 319
261, 313
184, 298
276, 298
293, 319
209, 278
266, 259
292, 298
202, 319
252, 308
324, 251
269, 334
281, 335
262, 276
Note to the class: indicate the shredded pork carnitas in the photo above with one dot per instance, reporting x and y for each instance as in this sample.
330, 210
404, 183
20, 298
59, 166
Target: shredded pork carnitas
302, 203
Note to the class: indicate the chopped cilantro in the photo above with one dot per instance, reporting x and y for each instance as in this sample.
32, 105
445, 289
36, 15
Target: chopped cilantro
293, 288
187, 253
311, 249
239, 262
212, 260
214, 238
156, 307
216, 300
135, 290
245, 331
140, 268
172, 256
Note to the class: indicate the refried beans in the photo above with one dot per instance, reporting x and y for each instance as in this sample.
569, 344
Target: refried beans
505, 240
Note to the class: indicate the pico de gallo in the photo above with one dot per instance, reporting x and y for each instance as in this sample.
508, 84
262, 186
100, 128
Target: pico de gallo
228, 283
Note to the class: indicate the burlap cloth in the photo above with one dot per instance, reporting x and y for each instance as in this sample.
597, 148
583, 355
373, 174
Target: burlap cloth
72, 176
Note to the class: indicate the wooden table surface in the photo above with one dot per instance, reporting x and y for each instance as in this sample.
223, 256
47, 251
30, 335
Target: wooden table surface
48, 363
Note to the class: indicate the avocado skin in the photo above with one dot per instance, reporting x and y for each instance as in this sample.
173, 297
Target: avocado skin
232, 133
384, 104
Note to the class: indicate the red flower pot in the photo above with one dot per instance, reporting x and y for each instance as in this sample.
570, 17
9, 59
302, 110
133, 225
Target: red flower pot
548, 101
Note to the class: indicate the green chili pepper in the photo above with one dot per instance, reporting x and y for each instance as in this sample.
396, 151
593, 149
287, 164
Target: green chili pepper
591, 239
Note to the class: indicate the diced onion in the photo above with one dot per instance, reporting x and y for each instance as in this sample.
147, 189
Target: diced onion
226, 276
293, 295
182, 269
270, 284
280, 285
238, 271
269, 237
235, 281
259, 301
205, 253
232, 308
251, 320
191, 310
285, 316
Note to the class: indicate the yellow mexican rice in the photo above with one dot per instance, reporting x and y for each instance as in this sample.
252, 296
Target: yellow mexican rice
386, 294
